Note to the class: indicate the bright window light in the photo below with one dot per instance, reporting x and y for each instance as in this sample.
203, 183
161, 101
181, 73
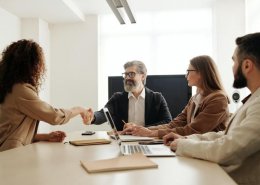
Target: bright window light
164, 41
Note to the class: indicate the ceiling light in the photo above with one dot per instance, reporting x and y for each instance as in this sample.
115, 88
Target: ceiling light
115, 5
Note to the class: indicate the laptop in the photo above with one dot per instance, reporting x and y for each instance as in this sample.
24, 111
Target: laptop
128, 149
131, 138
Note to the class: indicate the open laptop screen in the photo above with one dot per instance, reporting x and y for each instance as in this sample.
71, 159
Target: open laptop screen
111, 122
127, 149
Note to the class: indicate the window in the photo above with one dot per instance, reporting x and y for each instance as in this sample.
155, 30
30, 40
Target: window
165, 42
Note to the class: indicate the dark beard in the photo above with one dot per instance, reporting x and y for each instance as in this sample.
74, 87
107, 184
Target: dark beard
240, 80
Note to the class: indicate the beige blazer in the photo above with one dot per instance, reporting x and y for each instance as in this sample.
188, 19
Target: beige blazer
20, 113
237, 151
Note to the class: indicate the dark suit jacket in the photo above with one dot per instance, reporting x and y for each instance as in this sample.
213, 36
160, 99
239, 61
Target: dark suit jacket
156, 109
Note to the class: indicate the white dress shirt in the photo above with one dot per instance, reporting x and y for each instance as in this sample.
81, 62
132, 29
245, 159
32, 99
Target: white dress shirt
136, 108
196, 100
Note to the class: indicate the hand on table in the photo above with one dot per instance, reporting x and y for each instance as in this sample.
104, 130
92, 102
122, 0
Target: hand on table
56, 136
140, 131
171, 140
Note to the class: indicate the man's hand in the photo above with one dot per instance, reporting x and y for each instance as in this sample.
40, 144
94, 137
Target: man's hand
87, 116
169, 138
129, 125
140, 131
174, 144
127, 129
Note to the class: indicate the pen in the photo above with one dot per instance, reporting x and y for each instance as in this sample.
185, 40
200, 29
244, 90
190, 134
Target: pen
124, 123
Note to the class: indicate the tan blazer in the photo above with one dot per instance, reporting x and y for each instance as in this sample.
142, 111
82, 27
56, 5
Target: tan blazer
20, 113
211, 115
237, 151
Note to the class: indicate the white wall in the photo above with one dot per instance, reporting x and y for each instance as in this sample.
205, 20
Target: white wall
13, 28
71, 52
38, 30
229, 23
10, 28
74, 67
252, 16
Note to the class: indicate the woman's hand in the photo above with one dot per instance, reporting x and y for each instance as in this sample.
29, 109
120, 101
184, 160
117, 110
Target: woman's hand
87, 116
56, 136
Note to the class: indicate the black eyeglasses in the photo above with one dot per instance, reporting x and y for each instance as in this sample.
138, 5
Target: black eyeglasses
189, 70
129, 74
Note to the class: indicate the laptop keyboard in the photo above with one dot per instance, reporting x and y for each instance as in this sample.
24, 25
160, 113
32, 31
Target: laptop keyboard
137, 149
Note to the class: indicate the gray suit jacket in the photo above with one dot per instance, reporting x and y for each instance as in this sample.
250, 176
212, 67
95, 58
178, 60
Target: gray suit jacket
237, 150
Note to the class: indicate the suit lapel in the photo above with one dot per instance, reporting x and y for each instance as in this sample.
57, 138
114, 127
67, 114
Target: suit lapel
147, 105
230, 121
246, 102
191, 113
125, 103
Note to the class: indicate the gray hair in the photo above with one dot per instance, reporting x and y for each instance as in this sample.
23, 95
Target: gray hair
140, 67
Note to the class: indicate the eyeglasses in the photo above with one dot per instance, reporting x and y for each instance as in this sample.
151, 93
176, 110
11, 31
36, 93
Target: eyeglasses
189, 70
129, 74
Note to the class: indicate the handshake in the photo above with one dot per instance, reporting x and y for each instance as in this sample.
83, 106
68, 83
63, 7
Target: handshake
58, 136
87, 116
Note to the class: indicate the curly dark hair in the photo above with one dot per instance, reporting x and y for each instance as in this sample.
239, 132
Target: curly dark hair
22, 62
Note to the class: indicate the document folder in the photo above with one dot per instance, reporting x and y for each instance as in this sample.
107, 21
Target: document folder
90, 142
131, 162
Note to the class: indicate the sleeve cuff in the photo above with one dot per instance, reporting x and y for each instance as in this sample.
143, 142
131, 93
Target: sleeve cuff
163, 132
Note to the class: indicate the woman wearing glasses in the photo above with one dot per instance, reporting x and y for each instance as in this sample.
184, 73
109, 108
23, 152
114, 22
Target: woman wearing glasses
138, 104
206, 111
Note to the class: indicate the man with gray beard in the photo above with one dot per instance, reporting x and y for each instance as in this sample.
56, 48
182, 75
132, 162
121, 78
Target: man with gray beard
138, 104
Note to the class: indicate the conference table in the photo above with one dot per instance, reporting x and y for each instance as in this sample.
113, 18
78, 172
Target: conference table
45, 163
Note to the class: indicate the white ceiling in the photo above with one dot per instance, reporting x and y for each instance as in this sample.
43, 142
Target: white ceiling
58, 11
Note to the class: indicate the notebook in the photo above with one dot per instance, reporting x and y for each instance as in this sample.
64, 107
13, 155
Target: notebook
128, 149
130, 162
90, 142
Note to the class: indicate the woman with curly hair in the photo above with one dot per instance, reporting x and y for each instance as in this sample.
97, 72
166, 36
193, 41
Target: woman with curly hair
22, 70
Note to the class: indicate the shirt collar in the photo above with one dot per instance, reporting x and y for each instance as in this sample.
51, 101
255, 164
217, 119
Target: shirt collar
255, 94
130, 94
197, 98
245, 99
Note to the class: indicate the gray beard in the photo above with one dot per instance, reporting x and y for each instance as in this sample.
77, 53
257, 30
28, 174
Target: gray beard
130, 88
